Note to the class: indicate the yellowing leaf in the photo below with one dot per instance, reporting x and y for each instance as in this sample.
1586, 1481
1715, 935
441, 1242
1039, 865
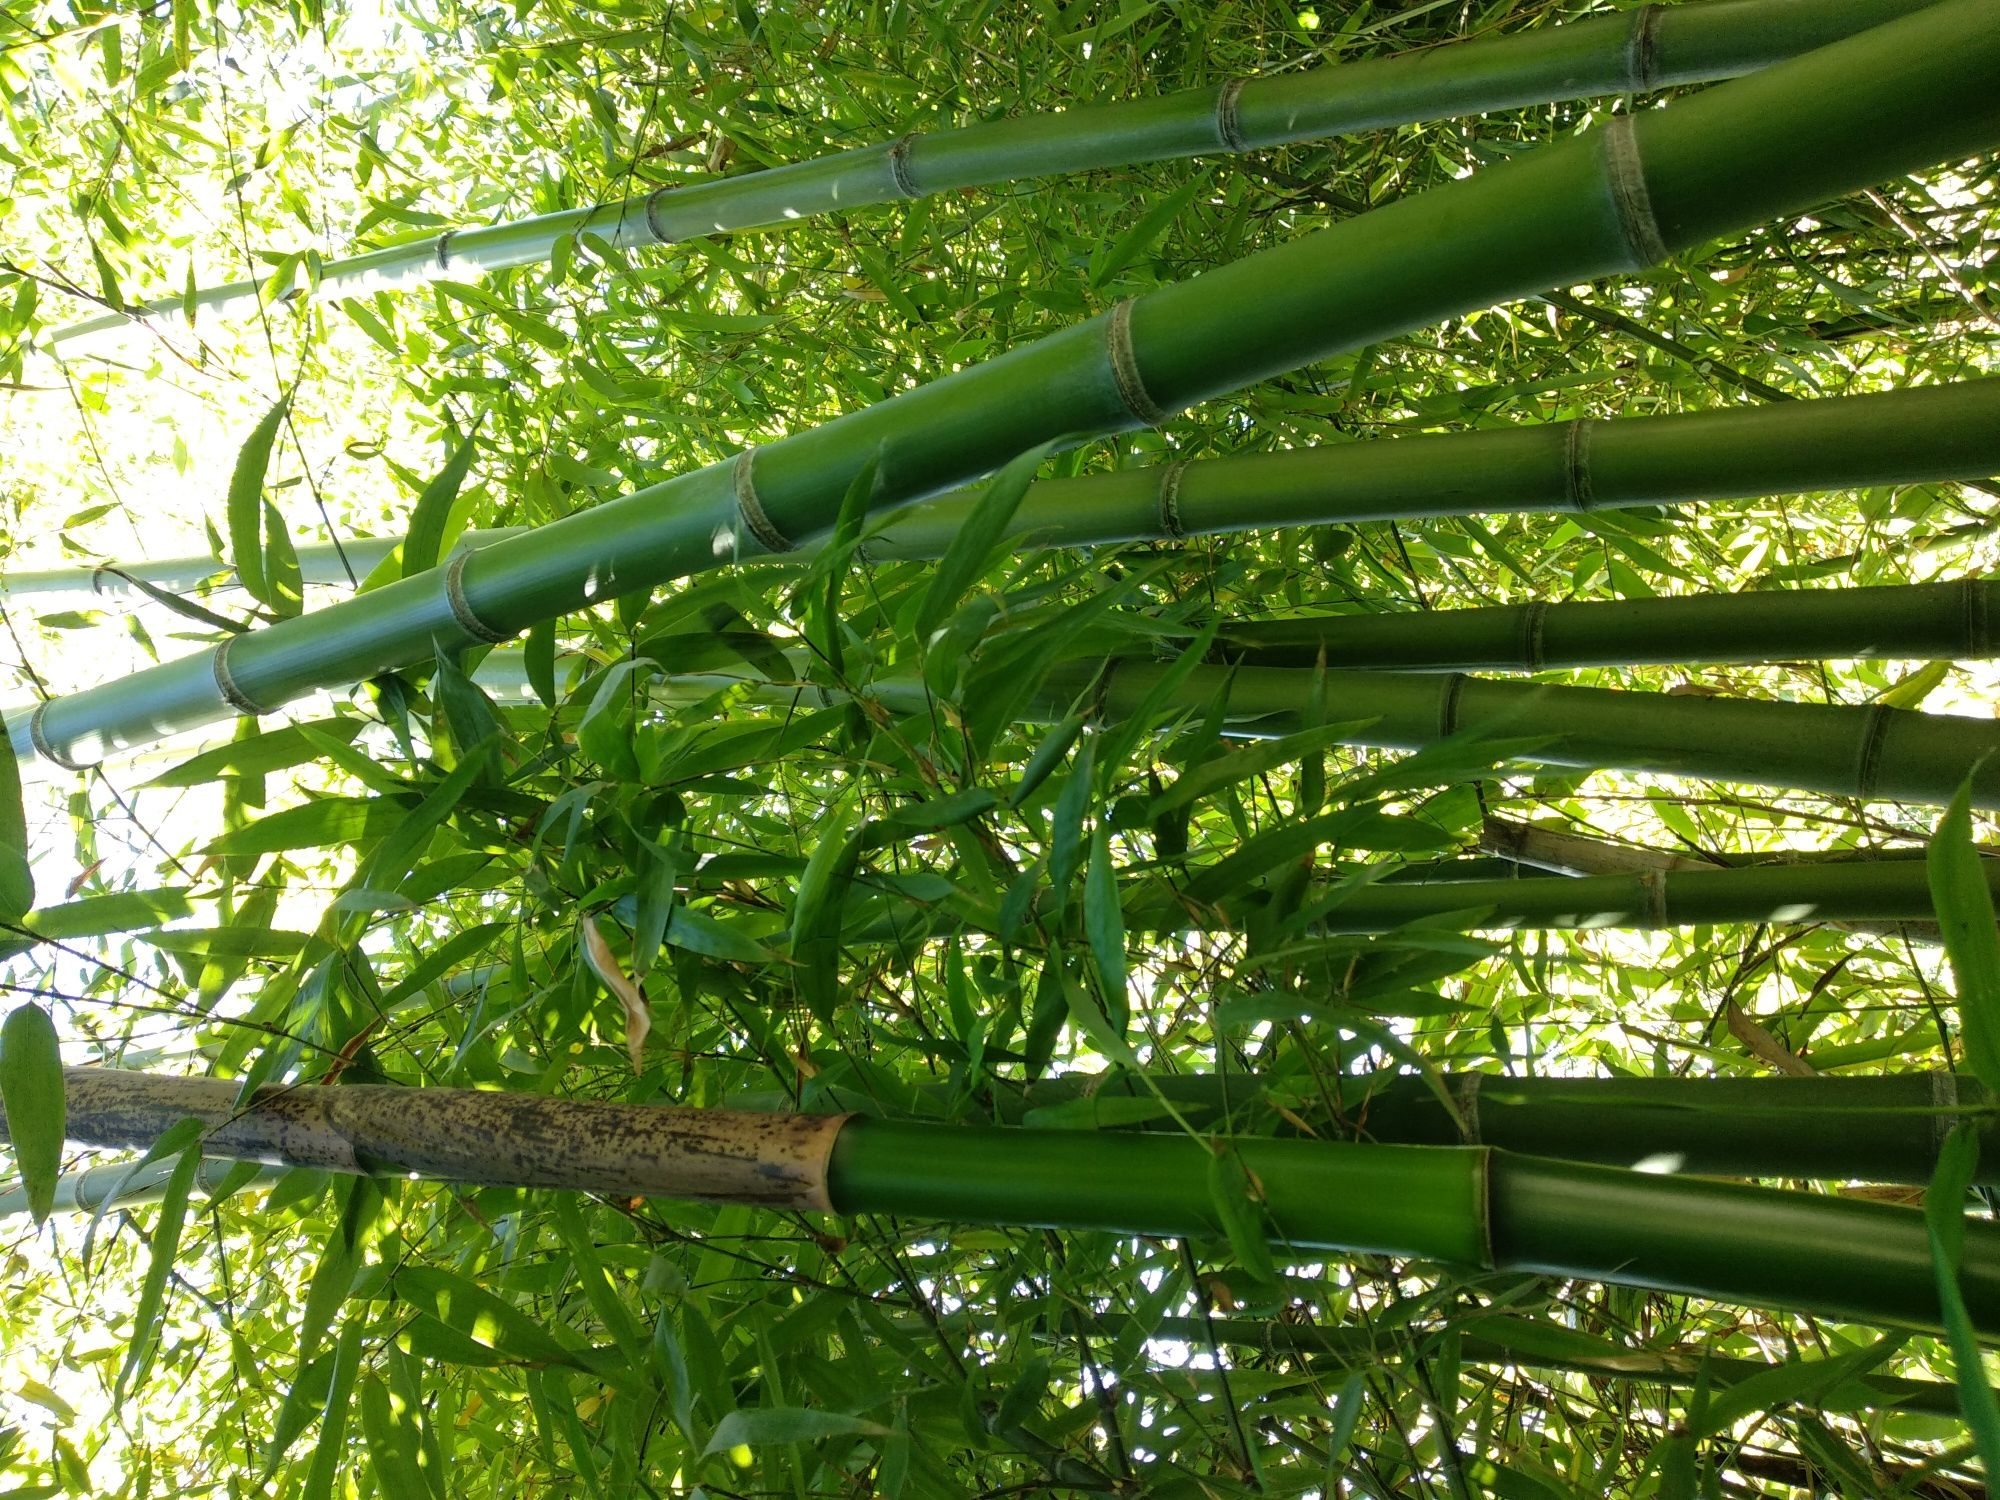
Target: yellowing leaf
638, 1015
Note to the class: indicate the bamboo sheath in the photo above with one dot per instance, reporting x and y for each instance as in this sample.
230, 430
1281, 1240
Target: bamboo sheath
1906, 95
1924, 434
1652, 47
1471, 1206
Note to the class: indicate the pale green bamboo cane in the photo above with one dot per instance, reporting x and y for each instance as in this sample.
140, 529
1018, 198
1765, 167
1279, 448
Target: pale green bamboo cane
1650, 47
1893, 437
1911, 93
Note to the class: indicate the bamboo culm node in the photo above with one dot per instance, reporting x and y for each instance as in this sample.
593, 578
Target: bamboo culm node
1655, 47
1908, 94
1471, 1206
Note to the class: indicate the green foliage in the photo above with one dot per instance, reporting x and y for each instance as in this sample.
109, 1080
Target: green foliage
863, 833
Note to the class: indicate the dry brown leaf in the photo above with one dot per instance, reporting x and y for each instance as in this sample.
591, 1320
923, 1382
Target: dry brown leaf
638, 1015
1764, 1046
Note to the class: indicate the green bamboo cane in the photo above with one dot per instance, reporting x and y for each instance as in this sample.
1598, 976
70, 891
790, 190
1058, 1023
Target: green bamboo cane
1469, 1206
1885, 896
1538, 847
1508, 1341
1878, 890
1881, 1129
1648, 48
319, 563
1928, 433
1934, 622
1871, 752
1908, 94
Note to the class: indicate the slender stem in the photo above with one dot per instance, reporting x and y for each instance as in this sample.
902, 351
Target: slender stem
1654, 47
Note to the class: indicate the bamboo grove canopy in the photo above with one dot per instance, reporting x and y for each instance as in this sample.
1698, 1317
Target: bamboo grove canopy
1256, 764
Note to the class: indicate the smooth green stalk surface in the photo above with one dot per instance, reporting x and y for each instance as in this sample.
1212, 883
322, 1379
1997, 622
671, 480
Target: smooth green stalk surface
1930, 622
1906, 95
1883, 1129
1894, 437
1472, 1206
1869, 752
1648, 48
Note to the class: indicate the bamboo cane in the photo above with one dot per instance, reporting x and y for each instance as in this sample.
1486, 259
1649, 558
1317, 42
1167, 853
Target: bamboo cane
1885, 891
319, 563
1908, 94
1878, 1129
1933, 622
1471, 1206
1927, 433
1872, 752
1884, 897
1881, 1129
1573, 854
1649, 48
1506, 1341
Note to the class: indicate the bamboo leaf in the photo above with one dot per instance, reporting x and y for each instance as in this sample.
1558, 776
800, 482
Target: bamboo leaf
965, 561
17, 880
1255, 760
631, 999
539, 655
271, 750
1048, 755
700, 933
481, 1316
166, 1243
1944, 1218
1234, 1194
1104, 924
945, 812
324, 1468
1137, 240
433, 509
31, 1092
786, 1424
835, 559
1066, 838
246, 503
1916, 686
316, 824
393, 1448
281, 566
1965, 917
